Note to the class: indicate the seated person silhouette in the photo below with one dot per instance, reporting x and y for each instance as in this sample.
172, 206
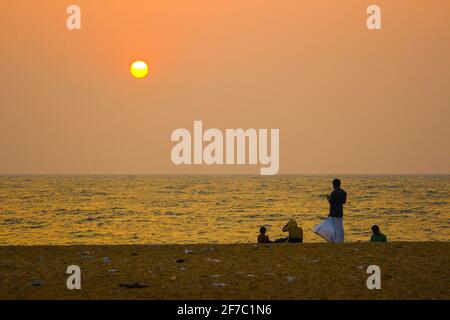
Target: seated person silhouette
295, 232
263, 237
377, 236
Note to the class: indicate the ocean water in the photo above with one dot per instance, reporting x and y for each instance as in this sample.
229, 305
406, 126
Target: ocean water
38, 210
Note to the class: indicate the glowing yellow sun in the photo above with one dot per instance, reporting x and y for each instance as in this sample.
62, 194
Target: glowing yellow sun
139, 69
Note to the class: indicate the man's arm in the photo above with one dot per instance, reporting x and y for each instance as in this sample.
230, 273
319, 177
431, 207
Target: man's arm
332, 197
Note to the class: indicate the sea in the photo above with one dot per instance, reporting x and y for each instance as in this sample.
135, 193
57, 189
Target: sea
185, 209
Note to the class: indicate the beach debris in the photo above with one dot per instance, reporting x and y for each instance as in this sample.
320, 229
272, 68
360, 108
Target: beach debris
179, 260
218, 284
113, 270
36, 283
312, 261
134, 285
86, 255
251, 275
213, 260
188, 251
182, 268
360, 267
173, 278
106, 260
215, 276
290, 278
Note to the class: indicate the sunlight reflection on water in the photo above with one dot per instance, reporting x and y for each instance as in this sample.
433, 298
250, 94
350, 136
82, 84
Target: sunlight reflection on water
213, 209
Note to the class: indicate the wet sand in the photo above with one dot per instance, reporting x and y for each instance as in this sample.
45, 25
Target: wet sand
237, 271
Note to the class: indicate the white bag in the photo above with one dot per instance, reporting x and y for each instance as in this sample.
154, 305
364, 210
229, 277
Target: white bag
325, 230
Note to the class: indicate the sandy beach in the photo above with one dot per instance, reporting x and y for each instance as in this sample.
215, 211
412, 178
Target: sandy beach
238, 271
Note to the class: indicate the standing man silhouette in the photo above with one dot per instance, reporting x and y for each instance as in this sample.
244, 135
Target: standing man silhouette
337, 199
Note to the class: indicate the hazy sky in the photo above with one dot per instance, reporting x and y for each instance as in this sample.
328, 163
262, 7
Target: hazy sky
346, 99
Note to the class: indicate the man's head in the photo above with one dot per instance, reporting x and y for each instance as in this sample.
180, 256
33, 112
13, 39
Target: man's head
262, 230
375, 229
336, 183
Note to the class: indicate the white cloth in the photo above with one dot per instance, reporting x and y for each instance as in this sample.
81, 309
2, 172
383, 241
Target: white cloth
338, 226
331, 229
325, 230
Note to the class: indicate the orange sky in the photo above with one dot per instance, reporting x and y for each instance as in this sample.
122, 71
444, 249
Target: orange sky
346, 99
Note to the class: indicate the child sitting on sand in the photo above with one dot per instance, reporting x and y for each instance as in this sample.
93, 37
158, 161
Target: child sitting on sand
263, 237
377, 236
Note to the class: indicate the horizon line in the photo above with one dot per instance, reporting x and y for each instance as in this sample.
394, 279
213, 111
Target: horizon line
225, 174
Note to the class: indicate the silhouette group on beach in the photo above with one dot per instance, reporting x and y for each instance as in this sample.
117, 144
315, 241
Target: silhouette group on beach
332, 229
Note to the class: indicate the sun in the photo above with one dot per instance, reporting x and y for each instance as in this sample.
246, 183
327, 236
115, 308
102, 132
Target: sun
139, 69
